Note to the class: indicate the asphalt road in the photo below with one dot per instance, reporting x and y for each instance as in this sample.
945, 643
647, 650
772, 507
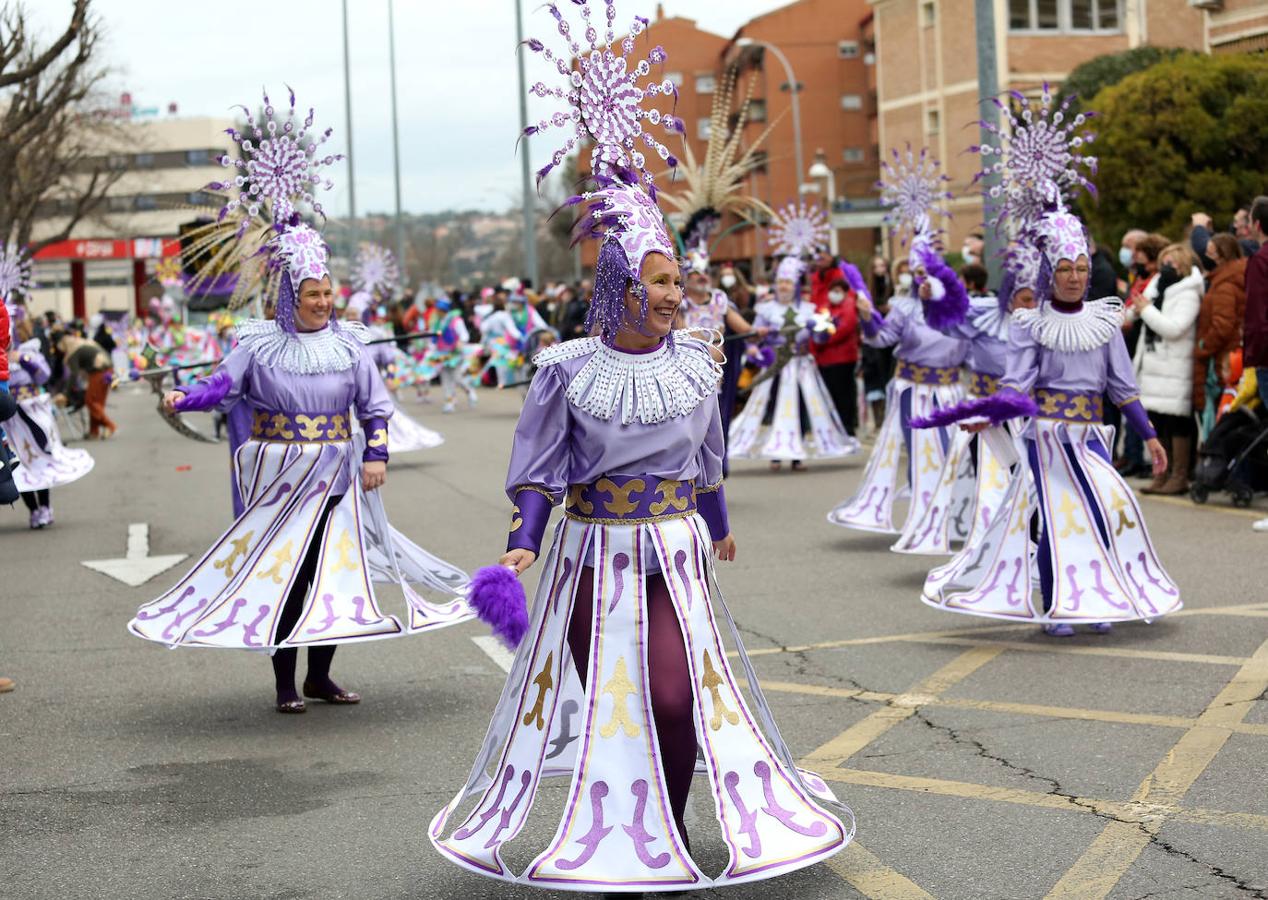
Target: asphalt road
981, 761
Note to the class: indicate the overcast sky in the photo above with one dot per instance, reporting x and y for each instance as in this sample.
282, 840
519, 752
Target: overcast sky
456, 78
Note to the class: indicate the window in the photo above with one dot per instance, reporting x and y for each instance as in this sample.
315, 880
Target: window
1053, 16
146, 202
704, 128
848, 49
854, 154
119, 204
852, 101
928, 13
933, 121
197, 157
757, 111
144, 161
675, 77
706, 84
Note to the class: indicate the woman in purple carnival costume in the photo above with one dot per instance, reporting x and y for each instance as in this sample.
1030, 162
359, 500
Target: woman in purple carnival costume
622, 683
297, 566
929, 356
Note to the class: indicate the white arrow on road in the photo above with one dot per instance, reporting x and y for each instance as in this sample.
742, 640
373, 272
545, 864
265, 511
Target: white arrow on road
137, 567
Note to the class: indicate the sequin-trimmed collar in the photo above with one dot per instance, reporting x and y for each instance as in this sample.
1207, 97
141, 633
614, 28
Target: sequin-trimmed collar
648, 388
1068, 332
304, 353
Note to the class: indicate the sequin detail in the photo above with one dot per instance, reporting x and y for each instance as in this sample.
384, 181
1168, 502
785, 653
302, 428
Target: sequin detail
308, 353
1091, 327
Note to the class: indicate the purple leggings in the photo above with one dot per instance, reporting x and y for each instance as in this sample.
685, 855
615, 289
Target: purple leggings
673, 702
1045, 548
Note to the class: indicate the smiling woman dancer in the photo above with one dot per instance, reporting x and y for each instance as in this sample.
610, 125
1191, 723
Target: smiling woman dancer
295, 569
622, 681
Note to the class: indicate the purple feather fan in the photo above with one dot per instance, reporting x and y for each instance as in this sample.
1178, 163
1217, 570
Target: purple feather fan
498, 599
206, 393
951, 309
998, 408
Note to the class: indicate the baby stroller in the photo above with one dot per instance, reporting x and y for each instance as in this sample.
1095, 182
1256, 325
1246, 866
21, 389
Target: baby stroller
1234, 458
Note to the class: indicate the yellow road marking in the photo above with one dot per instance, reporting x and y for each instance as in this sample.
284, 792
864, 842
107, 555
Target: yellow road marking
872, 878
1117, 847
1078, 650
902, 707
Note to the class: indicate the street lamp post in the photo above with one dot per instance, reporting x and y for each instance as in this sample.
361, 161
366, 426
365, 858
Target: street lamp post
396, 149
796, 105
987, 90
820, 169
347, 109
526, 167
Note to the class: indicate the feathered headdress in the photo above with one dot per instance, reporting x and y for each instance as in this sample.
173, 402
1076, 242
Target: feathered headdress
798, 230
603, 96
276, 178
15, 271
913, 188
375, 271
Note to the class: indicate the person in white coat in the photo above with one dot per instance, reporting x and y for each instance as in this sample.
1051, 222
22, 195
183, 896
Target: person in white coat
1169, 308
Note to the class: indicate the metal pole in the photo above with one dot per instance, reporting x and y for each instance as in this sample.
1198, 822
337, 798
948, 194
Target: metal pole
834, 244
987, 90
526, 165
796, 111
347, 108
396, 149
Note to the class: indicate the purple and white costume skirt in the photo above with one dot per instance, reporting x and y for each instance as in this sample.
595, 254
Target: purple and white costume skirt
915, 391
615, 828
33, 435
801, 388
234, 595
1094, 561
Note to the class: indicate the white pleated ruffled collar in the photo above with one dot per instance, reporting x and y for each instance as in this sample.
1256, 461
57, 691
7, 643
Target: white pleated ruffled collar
647, 388
988, 318
303, 353
1090, 327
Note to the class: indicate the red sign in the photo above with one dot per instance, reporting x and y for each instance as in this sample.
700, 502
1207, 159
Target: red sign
137, 248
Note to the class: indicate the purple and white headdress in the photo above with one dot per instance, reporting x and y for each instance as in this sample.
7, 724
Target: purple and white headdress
913, 188
798, 230
278, 168
1038, 156
375, 271
603, 96
1061, 235
790, 268
300, 253
15, 271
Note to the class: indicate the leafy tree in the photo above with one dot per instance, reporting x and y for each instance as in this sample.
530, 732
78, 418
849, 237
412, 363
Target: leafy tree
1183, 136
1090, 78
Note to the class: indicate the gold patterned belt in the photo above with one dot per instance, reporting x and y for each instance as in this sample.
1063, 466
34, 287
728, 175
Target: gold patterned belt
300, 428
26, 391
927, 374
1070, 406
630, 500
981, 385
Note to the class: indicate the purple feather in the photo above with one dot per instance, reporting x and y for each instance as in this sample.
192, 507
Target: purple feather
854, 278
950, 311
498, 599
205, 393
998, 408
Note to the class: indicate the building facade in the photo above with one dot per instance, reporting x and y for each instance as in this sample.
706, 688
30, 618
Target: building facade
109, 257
1235, 26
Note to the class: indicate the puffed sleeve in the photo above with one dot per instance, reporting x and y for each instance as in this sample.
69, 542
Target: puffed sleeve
1021, 361
540, 459
710, 494
373, 406
1123, 390
222, 388
35, 365
885, 331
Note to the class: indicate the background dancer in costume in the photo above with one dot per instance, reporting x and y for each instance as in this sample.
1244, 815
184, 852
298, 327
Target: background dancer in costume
297, 567
791, 400
450, 356
624, 608
927, 376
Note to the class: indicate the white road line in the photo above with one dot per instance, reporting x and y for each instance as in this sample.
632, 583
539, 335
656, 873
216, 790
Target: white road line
501, 657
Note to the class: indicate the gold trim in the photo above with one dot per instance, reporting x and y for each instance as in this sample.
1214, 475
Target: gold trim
713, 488
1134, 398
535, 489
644, 520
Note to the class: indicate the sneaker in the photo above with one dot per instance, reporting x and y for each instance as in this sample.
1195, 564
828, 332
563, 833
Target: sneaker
448, 407
1101, 627
46, 512
472, 398
37, 519
1260, 524
1058, 629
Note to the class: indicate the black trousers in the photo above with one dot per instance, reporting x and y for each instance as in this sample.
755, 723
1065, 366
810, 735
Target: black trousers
843, 389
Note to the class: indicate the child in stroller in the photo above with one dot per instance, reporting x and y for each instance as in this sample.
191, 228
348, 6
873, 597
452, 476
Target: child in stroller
1234, 456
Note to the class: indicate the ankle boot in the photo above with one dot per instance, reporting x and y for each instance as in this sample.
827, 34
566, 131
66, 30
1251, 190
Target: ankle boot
1178, 481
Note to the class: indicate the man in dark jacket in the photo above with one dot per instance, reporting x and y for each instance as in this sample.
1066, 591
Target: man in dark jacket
1255, 328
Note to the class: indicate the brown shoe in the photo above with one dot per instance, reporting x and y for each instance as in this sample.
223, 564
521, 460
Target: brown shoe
6, 685
1176, 484
1156, 485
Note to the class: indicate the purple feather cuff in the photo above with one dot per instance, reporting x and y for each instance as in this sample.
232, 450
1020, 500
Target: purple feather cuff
998, 408
711, 504
497, 597
206, 393
528, 523
375, 429
854, 278
950, 311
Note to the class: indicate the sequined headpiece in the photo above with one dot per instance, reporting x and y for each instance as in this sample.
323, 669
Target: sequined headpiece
790, 268
375, 271
15, 272
799, 230
603, 96
301, 254
913, 189
1060, 235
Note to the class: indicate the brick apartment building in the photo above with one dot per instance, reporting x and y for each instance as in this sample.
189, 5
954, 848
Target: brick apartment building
927, 78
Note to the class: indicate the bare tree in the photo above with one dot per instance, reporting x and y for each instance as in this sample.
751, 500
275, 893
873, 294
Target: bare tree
53, 145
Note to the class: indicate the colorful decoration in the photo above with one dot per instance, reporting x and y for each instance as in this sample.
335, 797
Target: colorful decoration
913, 188
799, 230
15, 271
375, 271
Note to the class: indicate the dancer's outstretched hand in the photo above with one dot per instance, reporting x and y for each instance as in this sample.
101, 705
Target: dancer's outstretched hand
170, 399
725, 548
373, 474
519, 560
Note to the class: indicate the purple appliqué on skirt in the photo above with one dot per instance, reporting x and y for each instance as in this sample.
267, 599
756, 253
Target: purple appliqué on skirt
998, 408
497, 597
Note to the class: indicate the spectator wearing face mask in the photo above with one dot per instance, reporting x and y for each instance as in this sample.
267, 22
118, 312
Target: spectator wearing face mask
838, 355
973, 248
1220, 320
737, 290
1168, 308
1144, 250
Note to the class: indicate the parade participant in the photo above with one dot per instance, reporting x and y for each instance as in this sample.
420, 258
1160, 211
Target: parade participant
624, 637
46, 462
1095, 561
927, 376
838, 355
791, 400
88, 365
297, 567
450, 355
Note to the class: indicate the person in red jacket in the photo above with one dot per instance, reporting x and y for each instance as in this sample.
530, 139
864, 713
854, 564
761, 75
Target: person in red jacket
5, 327
837, 356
